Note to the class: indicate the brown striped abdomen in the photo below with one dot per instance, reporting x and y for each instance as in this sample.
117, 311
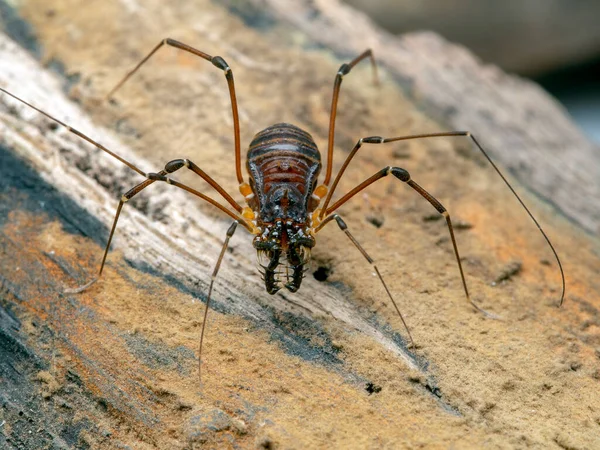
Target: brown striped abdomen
284, 163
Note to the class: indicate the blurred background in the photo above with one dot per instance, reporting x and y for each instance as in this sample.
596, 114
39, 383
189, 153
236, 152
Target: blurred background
554, 42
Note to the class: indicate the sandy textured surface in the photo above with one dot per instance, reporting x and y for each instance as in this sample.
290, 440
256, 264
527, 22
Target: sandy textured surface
122, 354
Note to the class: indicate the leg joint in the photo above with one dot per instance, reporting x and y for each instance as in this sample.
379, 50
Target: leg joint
232, 229
220, 63
175, 165
158, 177
401, 174
373, 140
155, 176
340, 222
344, 70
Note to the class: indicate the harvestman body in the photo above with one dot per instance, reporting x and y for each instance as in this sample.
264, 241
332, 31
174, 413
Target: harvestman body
284, 211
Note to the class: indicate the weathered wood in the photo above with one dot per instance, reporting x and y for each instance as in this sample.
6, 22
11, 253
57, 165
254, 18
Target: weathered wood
325, 367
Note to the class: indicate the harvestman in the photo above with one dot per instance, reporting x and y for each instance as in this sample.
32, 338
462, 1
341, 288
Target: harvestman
282, 198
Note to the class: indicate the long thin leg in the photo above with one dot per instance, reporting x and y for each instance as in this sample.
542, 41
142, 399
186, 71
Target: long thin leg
344, 228
175, 164
379, 140
404, 176
219, 63
343, 70
160, 177
230, 232
152, 177
124, 199
78, 133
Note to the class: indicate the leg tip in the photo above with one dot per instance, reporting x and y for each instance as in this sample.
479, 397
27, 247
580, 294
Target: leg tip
79, 289
487, 314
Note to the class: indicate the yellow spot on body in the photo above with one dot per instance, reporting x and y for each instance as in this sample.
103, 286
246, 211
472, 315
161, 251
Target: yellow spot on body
247, 213
245, 189
320, 191
315, 218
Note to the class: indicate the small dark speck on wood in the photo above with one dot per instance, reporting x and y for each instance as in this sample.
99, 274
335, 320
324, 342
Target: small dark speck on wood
372, 388
509, 270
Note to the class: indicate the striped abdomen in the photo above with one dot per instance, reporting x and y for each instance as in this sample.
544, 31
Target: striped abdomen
284, 163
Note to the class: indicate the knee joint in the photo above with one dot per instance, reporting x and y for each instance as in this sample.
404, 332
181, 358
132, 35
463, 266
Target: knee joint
401, 174
175, 165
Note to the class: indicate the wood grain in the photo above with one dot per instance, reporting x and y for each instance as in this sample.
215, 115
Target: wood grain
328, 366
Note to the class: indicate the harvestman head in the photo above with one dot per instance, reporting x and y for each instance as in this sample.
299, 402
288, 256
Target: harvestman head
283, 199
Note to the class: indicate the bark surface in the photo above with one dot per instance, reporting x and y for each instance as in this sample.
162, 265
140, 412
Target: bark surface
328, 366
